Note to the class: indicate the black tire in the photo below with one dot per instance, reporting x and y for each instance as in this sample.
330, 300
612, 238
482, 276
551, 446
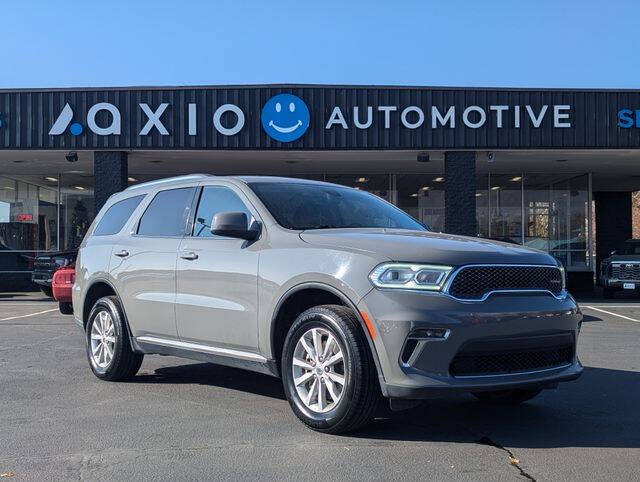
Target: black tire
607, 293
47, 290
507, 397
66, 308
361, 391
124, 363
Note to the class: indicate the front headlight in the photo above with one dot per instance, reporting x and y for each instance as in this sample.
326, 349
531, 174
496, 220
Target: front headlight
564, 277
406, 276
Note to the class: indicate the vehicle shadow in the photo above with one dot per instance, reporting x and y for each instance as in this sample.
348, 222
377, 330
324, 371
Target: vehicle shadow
216, 375
589, 318
601, 409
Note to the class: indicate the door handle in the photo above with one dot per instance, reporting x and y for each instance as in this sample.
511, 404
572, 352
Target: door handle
189, 255
122, 253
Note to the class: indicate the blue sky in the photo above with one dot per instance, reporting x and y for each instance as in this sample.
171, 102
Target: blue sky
457, 43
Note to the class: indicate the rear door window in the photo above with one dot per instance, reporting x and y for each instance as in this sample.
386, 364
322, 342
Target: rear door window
117, 216
167, 213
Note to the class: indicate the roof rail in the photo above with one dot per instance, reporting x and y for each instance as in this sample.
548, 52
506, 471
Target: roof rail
188, 177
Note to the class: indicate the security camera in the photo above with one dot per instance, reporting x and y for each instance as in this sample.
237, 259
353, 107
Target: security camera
423, 157
72, 157
490, 156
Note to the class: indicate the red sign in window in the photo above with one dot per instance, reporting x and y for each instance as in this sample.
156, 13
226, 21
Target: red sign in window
23, 218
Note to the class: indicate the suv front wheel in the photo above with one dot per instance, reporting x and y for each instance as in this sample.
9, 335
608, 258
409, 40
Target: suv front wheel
328, 372
108, 348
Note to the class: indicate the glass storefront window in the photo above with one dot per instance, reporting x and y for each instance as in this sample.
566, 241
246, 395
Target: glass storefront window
28, 216
76, 213
505, 207
40, 213
541, 211
378, 184
422, 196
570, 226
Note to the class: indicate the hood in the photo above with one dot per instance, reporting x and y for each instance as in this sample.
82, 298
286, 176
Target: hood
631, 258
427, 247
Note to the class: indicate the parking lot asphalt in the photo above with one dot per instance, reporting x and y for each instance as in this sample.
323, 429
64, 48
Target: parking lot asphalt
180, 419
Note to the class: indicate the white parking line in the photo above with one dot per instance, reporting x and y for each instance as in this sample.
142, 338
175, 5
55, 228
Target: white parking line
30, 314
612, 313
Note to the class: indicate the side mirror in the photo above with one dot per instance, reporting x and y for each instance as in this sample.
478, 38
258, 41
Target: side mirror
234, 225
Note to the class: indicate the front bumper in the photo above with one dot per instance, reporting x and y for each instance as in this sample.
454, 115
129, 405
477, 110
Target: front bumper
396, 314
42, 278
618, 284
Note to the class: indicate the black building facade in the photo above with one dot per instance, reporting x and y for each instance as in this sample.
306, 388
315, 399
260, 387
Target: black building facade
496, 163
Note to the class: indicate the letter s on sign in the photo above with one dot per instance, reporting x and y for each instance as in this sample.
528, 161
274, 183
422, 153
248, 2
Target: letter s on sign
625, 120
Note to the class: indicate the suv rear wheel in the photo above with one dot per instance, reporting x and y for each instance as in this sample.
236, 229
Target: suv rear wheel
328, 372
108, 349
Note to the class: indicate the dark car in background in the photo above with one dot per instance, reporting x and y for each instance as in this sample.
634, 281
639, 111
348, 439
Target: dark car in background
621, 270
45, 265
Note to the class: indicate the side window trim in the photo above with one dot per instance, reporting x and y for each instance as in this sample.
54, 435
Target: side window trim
195, 202
241, 196
136, 226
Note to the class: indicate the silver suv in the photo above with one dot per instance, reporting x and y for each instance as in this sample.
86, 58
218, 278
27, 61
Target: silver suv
341, 294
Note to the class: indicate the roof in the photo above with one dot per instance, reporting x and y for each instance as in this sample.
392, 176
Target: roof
201, 177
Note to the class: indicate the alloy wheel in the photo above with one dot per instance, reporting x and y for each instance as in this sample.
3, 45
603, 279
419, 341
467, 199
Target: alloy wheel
318, 370
103, 339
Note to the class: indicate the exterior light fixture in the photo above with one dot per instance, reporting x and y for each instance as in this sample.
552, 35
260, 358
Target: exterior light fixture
131, 179
425, 188
495, 188
52, 179
415, 194
516, 178
362, 179
79, 188
438, 179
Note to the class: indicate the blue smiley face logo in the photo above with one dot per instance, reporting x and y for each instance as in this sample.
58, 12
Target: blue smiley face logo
285, 117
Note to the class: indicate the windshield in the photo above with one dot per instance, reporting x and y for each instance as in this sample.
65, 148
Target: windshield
630, 248
318, 206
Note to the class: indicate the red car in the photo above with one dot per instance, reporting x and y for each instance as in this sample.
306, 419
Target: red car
61, 284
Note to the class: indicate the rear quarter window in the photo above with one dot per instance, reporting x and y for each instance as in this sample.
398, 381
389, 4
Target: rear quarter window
117, 216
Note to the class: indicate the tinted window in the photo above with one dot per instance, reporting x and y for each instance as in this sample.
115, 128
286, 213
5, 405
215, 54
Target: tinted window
214, 200
630, 248
167, 214
117, 216
318, 206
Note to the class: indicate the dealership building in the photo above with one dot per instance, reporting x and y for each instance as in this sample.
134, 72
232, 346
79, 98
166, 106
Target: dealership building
545, 168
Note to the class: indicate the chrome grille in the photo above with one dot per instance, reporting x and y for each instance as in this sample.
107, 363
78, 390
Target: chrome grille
476, 282
626, 271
